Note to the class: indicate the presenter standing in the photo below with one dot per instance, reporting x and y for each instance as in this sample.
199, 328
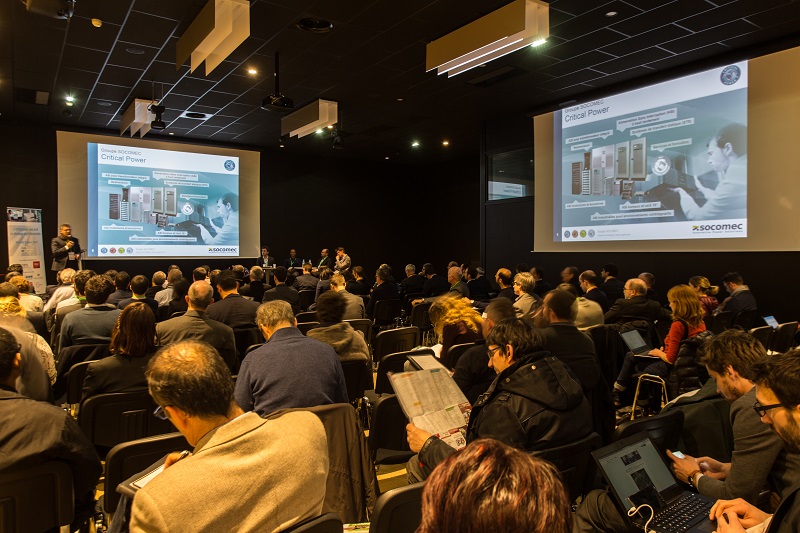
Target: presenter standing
66, 250
228, 207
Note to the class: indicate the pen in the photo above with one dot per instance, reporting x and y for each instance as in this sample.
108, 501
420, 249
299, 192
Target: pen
184, 454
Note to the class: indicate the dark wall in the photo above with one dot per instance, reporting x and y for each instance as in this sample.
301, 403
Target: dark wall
380, 212
508, 239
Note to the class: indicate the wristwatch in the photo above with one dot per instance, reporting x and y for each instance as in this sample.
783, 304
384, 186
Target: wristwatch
694, 477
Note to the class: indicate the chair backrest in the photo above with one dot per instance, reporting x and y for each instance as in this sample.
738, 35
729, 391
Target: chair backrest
420, 316
357, 377
244, 338
387, 429
664, 429
364, 325
177, 314
308, 316
251, 348
307, 298
306, 326
385, 311
574, 463
720, 322
455, 352
36, 498
393, 362
398, 510
763, 335
109, 419
746, 319
783, 337
72, 355
132, 457
37, 319
327, 523
75, 382
394, 340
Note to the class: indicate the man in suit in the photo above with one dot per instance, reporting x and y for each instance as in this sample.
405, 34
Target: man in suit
122, 281
283, 291
478, 285
355, 304
383, 290
195, 324
289, 370
159, 278
62, 246
740, 299
92, 324
325, 260
611, 286
342, 264
138, 289
634, 306
233, 309
265, 260
434, 284
164, 296
292, 261
239, 455
457, 287
540, 286
588, 280
412, 284
305, 281
257, 287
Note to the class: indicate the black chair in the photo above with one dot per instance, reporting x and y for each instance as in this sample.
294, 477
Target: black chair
36, 498
421, 318
306, 326
398, 510
327, 523
393, 362
364, 325
251, 348
37, 319
393, 341
763, 335
307, 297
72, 355
455, 352
783, 338
245, 337
129, 458
75, 378
664, 429
309, 316
385, 312
574, 463
358, 377
720, 322
109, 419
606, 357
746, 319
387, 433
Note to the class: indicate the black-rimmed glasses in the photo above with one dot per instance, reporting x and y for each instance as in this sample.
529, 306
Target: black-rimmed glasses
762, 409
161, 413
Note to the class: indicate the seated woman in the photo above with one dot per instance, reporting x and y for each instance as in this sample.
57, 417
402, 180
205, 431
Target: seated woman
535, 403
348, 343
178, 304
527, 302
132, 346
511, 491
706, 292
455, 322
687, 321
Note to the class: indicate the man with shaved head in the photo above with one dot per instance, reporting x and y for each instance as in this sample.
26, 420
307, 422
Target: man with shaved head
196, 325
635, 305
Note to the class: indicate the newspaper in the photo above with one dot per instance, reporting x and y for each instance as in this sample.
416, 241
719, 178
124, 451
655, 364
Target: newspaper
433, 402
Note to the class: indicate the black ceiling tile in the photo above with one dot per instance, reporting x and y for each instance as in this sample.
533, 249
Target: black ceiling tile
83, 34
579, 76
147, 30
383, 14
253, 98
236, 85
76, 78
412, 57
645, 40
720, 15
93, 116
165, 73
122, 76
789, 12
204, 130
113, 12
576, 63
607, 80
38, 81
132, 55
558, 17
193, 87
267, 19
170, 114
259, 116
343, 41
695, 55
179, 102
169, 52
236, 110
111, 93
223, 135
219, 121
185, 123
759, 36
660, 16
173, 9
712, 35
215, 99
219, 73
641, 57
576, 7
250, 46
581, 45
594, 19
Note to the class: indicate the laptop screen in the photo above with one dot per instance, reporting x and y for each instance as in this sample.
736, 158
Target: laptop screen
634, 466
770, 320
634, 340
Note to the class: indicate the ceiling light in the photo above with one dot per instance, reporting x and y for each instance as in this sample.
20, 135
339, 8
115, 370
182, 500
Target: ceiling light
172, 133
445, 143
501, 32
135, 51
103, 103
318, 131
311, 118
70, 98
314, 25
611, 14
252, 71
539, 42
220, 27
97, 23
330, 126
415, 144
387, 157
399, 99
69, 103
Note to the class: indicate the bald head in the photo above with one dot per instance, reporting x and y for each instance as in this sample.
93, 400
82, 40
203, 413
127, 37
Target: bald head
200, 296
637, 286
454, 274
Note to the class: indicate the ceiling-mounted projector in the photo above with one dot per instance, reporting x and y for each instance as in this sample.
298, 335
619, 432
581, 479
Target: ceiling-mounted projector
277, 102
57, 9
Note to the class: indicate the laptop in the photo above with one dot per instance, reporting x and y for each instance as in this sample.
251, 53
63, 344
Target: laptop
771, 321
636, 473
636, 344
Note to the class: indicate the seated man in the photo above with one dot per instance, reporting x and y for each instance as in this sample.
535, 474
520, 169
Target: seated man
29, 301
236, 478
306, 281
412, 284
355, 304
282, 291
93, 323
504, 281
740, 299
122, 282
384, 290
34, 432
635, 306
257, 286
434, 284
65, 307
290, 369
139, 286
588, 281
232, 310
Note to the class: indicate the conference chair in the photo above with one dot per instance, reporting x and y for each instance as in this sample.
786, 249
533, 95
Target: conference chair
358, 378
720, 322
109, 419
306, 298
574, 463
72, 355
391, 363
244, 337
393, 341
306, 326
308, 316
327, 523
129, 458
251, 348
421, 318
664, 429
454, 354
783, 338
763, 335
75, 378
364, 325
398, 510
37, 319
746, 319
387, 433
385, 312
36, 498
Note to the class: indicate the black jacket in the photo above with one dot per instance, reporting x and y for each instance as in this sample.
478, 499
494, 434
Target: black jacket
285, 293
479, 289
435, 285
636, 308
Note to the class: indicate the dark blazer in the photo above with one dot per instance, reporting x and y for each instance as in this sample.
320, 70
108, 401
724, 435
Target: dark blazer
508, 293
285, 293
740, 301
384, 291
119, 295
255, 290
128, 301
292, 263
196, 325
325, 262
479, 288
151, 291
596, 295
270, 261
234, 310
472, 373
613, 288
435, 285
116, 373
305, 282
541, 287
61, 254
356, 287
412, 284
636, 308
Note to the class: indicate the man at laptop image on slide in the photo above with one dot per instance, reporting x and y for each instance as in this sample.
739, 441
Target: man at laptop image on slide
228, 208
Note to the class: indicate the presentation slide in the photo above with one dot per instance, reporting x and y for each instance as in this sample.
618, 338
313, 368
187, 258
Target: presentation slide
150, 203
667, 161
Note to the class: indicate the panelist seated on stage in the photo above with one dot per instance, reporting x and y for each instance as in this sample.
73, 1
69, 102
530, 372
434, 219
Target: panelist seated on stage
265, 260
325, 260
292, 261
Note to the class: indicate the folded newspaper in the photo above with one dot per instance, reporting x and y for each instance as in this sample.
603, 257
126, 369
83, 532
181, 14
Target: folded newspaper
433, 402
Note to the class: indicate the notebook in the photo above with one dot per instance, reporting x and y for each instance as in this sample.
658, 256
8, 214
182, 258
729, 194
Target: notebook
636, 344
634, 469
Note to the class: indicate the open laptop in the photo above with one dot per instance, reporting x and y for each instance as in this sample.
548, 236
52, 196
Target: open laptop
634, 469
636, 344
771, 321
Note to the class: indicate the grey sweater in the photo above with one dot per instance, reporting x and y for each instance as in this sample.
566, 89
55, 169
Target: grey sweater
348, 343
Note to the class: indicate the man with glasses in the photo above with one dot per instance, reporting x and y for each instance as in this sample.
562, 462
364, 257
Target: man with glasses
236, 477
635, 306
740, 299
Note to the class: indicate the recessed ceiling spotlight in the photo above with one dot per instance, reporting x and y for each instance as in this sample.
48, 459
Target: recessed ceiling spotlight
612, 14
172, 133
387, 157
445, 143
252, 71
97, 23
330, 127
415, 144
399, 99
70, 98
69, 103
315, 25
281, 145
538, 42
103, 103
134, 51
319, 130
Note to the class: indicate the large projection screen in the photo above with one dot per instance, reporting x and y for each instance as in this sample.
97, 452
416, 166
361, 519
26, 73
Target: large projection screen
765, 221
136, 199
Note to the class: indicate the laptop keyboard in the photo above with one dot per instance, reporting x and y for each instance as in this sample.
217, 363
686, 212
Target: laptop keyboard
682, 514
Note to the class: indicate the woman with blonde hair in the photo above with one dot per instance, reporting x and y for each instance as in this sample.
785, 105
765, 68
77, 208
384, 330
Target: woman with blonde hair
687, 321
454, 322
705, 292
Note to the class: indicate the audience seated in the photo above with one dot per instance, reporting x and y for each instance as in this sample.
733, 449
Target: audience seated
177, 303
34, 432
611, 286
93, 323
526, 302
132, 346
233, 310
504, 280
29, 301
65, 307
534, 404
384, 290
355, 304
540, 286
138, 290
13, 314
588, 281
740, 299
282, 291
122, 282
454, 322
589, 313
570, 275
159, 278
456, 285
706, 292
434, 283
37, 366
357, 285
479, 287
650, 280
412, 284
635, 306
236, 477
348, 343
256, 287
64, 290
306, 281
290, 369
164, 296
324, 284
199, 274
490, 486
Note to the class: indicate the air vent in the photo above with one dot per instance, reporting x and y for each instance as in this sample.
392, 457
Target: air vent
314, 25
32, 96
195, 115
